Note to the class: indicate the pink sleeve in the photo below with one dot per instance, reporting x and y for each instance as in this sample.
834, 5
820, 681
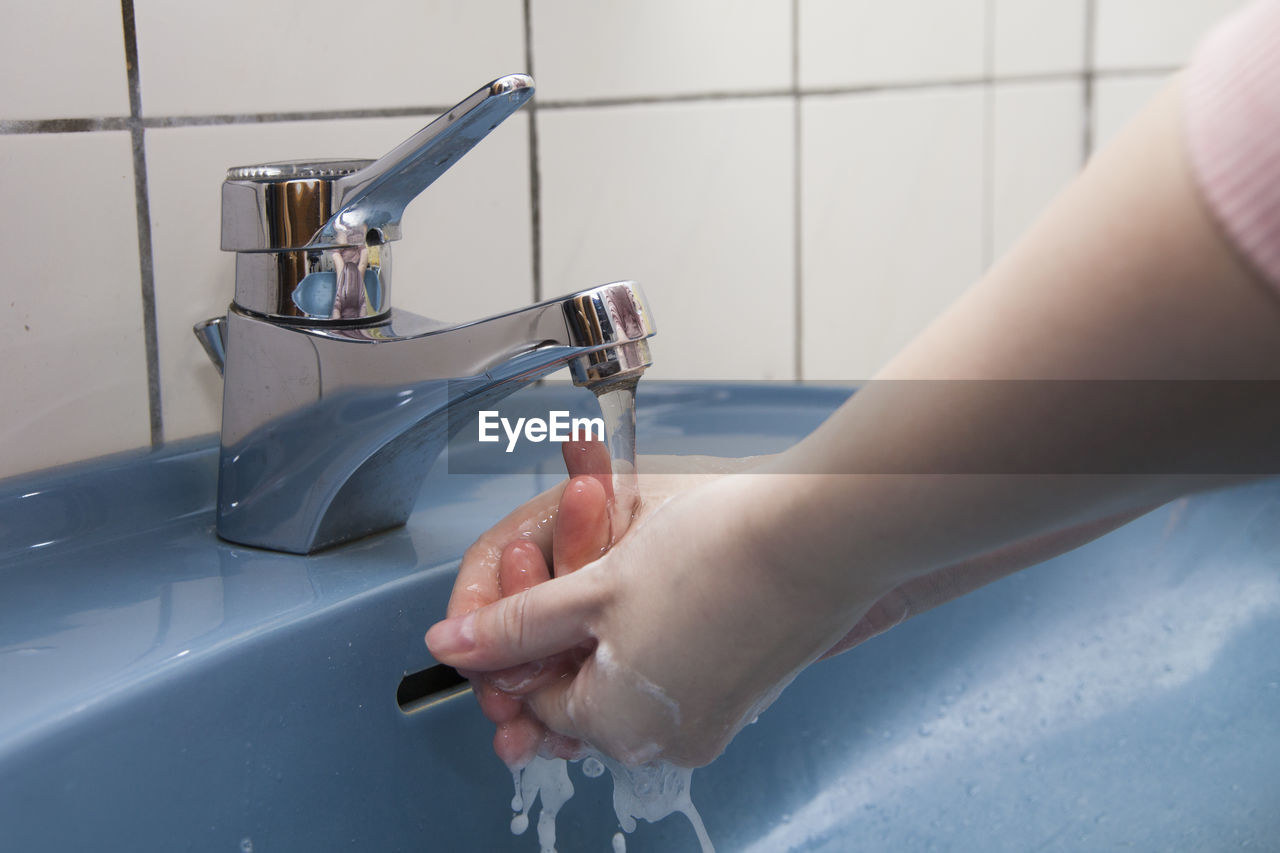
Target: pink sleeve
1233, 126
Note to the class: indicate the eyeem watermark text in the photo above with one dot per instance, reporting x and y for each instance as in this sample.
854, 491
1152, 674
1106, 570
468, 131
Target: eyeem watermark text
558, 426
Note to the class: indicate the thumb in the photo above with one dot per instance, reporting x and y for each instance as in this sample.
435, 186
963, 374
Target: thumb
536, 623
551, 706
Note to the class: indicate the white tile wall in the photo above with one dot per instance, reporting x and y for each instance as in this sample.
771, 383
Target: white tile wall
62, 59
245, 56
1037, 36
660, 47
448, 265
860, 42
74, 382
695, 201
1117, 100
926, 134
1037, 147
892, 198
1153, 33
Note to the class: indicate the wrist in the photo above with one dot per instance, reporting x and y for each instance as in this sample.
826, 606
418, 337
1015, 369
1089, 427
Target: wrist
807, 541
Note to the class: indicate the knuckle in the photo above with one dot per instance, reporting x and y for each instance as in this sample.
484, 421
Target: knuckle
482, 553
599, 590
514, 619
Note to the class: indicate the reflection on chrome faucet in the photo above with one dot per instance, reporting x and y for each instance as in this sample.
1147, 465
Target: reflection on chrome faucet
335, 405
350, 301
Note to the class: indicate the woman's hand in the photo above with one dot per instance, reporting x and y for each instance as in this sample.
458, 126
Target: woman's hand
556, 533
672, 641
570, 525
691, 622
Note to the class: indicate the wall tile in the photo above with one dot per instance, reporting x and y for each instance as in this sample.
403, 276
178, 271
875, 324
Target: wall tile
1037, 148
62, 59
660, 47
243, 56
693, 200
859, 42
1116, 100
448, 265
892, 221
1037, 36
1153, 33
74, 382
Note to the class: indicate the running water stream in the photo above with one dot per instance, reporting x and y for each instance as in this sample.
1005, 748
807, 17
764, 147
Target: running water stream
653, 790
618, 409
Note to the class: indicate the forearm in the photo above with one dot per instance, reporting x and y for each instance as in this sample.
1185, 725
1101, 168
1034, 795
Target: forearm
1126, 278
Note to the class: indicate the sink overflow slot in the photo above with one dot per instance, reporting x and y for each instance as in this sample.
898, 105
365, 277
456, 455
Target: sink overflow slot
425, 688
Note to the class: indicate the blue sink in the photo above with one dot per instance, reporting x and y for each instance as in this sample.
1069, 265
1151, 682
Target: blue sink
161, 690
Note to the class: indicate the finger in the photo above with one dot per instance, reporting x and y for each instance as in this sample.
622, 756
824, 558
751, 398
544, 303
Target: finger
517, 741
528, 677
496, 704
582, 529
478, 583
544, 620
589, 458
522, 566
551, 706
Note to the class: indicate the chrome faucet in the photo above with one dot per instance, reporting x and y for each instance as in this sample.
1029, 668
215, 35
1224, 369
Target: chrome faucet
335, 405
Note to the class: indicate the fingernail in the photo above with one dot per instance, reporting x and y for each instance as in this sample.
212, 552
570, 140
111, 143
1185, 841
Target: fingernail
452, 636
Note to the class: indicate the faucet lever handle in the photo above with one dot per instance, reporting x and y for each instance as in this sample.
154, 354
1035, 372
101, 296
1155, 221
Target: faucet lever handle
375, 196
310, 236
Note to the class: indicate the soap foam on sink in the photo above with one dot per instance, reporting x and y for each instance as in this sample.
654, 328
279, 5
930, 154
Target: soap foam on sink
547, 778
650, 791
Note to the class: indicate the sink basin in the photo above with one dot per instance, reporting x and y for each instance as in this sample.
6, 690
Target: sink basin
161, 690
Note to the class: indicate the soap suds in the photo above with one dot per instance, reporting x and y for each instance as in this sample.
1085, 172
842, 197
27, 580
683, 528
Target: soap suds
605, 661
650, 791
546, 779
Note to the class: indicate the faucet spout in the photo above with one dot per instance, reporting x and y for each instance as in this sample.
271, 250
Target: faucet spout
328, 432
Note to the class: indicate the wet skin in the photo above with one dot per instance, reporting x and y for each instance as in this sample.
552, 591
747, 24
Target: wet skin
559, 531
568, 527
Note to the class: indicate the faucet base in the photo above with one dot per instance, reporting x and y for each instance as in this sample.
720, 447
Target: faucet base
328, 431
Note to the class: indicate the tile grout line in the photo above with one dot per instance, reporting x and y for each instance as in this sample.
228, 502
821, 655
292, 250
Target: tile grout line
987, 224
146, 266
15, 127
535, 174
797, 194
1086, 122
89, 124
